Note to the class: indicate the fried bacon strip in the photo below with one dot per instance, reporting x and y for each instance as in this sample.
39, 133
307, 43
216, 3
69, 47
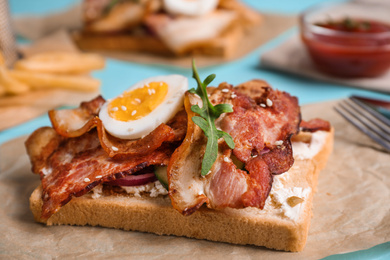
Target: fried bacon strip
261, 125
78, 121
316, 124
72, 166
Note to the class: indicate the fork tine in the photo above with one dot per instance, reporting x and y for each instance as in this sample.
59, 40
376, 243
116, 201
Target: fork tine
365, 119
354, 120
370, 110
369, 119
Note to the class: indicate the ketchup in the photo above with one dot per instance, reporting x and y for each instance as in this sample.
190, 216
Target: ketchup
349, 47
356, 26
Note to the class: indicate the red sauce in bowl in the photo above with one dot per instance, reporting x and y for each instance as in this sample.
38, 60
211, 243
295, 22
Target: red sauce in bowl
356, 26
348, 47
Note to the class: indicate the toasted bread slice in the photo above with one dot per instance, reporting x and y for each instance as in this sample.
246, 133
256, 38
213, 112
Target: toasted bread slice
222, 46
283, 224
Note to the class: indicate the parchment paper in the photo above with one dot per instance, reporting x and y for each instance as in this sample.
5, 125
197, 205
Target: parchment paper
351, 211
20, 108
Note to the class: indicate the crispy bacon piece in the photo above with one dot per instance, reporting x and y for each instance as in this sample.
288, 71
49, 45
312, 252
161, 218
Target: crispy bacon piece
314, 125
78, 121
226, 183
40, 145
261, 126
79, 164
184, 157
72, 166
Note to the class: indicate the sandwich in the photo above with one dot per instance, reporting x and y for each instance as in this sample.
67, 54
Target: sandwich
165, 27
233, 164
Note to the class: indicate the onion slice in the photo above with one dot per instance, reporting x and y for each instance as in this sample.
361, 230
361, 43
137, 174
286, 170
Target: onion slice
134, 180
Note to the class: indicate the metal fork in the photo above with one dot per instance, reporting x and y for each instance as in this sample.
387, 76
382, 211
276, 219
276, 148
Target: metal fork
367, 120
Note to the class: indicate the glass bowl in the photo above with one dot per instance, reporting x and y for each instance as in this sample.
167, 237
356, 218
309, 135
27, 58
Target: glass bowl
347, 53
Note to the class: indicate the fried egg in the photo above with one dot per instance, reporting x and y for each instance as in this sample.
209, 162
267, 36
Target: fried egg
144, 106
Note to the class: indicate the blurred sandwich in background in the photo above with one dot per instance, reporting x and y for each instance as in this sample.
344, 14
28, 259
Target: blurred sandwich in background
166, 27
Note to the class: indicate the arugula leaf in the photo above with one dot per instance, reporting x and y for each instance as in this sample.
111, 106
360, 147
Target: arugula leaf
206, 120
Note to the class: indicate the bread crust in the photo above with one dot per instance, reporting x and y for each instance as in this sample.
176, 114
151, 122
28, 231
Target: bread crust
223, 46
156, 215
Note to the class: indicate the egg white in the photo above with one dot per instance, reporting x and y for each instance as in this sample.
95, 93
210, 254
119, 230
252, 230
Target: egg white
133, 129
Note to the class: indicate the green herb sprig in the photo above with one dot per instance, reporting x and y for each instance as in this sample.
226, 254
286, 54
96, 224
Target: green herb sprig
206, 120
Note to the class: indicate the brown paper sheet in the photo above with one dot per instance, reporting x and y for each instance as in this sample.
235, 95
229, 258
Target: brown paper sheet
351, 211
21, 108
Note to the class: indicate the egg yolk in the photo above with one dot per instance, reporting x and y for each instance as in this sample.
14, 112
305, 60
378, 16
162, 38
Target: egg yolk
137, 103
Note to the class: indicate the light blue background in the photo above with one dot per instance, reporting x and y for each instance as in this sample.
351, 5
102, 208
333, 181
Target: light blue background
119, 75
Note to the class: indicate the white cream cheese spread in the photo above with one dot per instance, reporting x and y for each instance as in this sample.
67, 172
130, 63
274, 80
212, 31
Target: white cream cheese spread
153, 188
302, 150
289, 201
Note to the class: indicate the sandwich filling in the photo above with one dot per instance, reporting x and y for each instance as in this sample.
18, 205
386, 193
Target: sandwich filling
77, 154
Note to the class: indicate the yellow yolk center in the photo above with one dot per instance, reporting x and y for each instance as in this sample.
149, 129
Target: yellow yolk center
137, 103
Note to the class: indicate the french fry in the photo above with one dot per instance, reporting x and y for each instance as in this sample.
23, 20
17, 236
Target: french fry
39, 80
61, 63
11, 85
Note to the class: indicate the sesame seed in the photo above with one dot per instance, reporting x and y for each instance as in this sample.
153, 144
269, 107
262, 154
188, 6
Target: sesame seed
87, 180
98, 177
114, 109
149, 92
279, 142
269, 102
233, 95
226, 159
263, 105
153, 91
137, 100
134, 112
114, 148
225, 90
254, 156
123, 108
